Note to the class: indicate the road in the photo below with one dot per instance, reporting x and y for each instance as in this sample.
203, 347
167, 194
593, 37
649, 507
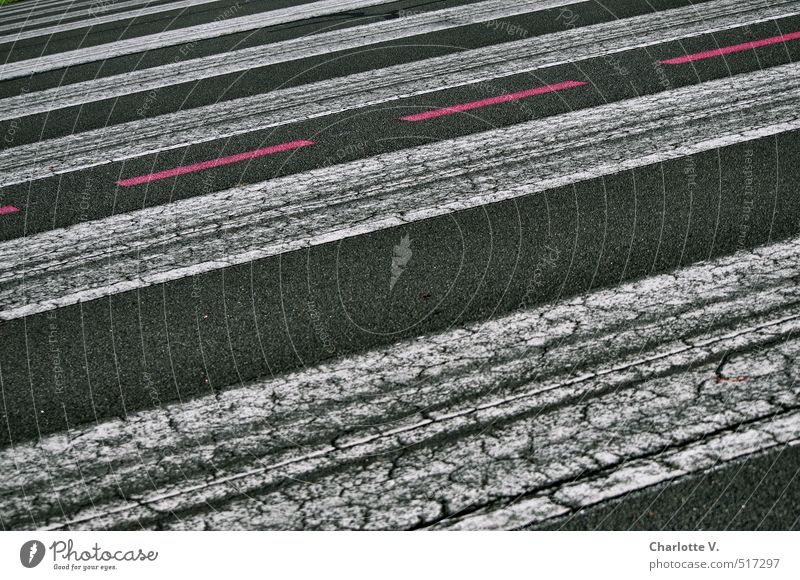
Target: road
345, 264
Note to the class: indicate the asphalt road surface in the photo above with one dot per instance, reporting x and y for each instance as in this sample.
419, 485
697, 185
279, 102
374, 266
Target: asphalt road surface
368, 264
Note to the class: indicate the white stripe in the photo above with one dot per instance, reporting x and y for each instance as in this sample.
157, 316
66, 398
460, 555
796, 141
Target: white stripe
645, 29
65, 6
181, 36
207, 232
736, 445
37, 5
26, 10
512, 380
57, 12
284, 51
137, 138
95, 18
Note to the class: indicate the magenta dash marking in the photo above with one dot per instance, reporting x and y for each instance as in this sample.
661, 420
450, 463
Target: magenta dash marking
215, 162
733, 48
491, 101
6, 209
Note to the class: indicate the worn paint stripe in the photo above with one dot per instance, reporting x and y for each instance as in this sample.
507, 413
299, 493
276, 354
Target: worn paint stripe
460, 108
732, 49
181, 36
211, 163
61, 267
222, 120
639, 431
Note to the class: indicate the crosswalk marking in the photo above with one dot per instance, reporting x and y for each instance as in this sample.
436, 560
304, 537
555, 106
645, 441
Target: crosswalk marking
460, 108
181, 36
95, 18
293, 212
732, 49
204, 401
269, 54
284, 106
533, 350
220, 161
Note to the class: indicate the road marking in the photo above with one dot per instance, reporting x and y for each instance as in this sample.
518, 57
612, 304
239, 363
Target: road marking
731, 49
433, 408
323, 43
7, 209
25, 9
492, 101
215, 162
32, 161
95, 18
180, 36
151, 245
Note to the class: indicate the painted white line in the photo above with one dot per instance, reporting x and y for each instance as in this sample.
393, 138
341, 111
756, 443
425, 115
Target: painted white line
248, 58
37, 6
470, 416
181, 36
221, 120
95, 17
27, 10
702, 456
207, 232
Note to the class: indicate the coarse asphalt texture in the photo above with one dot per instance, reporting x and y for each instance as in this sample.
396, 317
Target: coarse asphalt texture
304, 186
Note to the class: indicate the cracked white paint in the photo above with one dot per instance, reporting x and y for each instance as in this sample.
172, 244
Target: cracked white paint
207, 232
520, 56
283, 106
24, 10
95, 18
554, 408
181, 36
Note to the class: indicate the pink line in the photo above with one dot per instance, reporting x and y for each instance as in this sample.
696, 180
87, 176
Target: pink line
733, 48
492, 101
6, 209
215, 162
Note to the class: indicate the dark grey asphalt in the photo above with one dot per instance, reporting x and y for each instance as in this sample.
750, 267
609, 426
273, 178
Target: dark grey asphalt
58, 201
759, 493
194, 336
476, 264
